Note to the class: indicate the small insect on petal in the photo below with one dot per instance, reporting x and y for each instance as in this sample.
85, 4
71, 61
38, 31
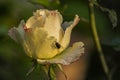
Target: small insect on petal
57, 45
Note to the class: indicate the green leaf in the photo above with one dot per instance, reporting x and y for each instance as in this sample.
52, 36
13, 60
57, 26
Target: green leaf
76, 7
113, 41
111, 14
32, 68
42, 2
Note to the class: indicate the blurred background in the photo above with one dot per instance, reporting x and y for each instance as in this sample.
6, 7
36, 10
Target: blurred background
14, 63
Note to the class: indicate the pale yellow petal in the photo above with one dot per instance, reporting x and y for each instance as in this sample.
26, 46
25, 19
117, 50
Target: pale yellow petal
34, 38
66, 38
47, 49
40, 45
34, 22
53, 25
27, 49
37, 20
68, 56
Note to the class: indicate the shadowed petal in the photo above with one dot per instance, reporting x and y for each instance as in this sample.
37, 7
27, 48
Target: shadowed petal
66, 24
12, 33
17, 34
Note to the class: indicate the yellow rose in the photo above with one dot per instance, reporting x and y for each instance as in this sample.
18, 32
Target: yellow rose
44, 39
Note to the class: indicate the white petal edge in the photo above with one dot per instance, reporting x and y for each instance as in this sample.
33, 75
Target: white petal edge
68, 56
17, 34
12, 34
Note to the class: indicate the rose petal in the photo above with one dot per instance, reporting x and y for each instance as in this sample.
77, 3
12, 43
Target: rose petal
66, 39
34, 38
17, 34
68, 56
37, 20
12, 34
53, 25
40, 45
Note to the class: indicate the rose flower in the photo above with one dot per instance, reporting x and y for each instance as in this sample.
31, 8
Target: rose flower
43, 38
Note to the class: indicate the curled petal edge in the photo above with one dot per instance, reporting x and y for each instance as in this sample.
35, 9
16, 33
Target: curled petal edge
68, 56
17, 34
66, 39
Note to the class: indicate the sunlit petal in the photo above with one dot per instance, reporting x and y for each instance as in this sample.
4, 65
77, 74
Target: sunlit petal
42, 46
53, 25
37, 20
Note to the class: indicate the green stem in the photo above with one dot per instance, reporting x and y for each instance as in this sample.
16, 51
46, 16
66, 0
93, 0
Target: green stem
96, 39
51, 73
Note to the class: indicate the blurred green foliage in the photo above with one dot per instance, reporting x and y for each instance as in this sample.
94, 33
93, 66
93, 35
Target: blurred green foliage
14, 63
